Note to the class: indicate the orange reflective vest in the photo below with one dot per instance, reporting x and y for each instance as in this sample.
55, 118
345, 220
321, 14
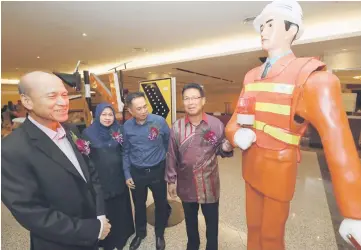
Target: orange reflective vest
276, 98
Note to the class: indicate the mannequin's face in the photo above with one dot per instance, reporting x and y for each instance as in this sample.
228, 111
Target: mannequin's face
274, 35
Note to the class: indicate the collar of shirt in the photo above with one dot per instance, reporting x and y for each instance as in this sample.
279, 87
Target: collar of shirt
59, 134
273, 60
204, 118
146, 121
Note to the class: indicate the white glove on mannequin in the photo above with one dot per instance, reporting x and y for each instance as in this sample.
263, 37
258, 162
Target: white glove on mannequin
353, 227
244, 137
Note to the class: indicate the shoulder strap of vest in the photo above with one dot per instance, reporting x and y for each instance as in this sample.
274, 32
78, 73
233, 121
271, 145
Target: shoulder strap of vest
250, 76
310, 65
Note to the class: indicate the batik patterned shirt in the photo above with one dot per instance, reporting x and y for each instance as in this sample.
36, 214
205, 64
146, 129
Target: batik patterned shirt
192, 159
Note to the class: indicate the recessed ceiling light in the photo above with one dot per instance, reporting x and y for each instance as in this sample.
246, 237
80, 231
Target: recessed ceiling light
357, 77
16, 68
9, 81
344, 49
169, 73
149, 72
84, 34
38, 57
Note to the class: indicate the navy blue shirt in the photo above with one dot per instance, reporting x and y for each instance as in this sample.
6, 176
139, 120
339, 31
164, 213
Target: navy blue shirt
139, 149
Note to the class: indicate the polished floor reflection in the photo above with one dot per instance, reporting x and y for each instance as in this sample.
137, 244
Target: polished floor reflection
311, 225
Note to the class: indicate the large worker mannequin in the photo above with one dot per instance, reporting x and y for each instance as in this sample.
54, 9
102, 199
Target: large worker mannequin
283, 96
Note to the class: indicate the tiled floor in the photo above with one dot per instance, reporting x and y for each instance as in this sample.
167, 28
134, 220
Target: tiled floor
309, 225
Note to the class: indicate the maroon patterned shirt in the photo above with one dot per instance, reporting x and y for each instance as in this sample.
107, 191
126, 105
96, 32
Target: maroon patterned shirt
192, 159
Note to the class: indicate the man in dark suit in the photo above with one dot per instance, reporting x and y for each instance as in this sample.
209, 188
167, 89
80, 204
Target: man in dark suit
48, 185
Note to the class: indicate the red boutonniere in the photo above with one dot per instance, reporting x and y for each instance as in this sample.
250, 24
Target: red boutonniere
117, 136
153, 133
210, 137
82, 145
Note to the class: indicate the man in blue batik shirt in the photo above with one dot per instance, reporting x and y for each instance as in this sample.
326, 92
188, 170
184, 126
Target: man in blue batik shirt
145, 146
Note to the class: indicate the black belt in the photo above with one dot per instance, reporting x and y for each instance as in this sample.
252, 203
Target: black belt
148, 169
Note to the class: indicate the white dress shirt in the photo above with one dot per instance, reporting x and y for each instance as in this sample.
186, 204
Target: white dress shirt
60, 139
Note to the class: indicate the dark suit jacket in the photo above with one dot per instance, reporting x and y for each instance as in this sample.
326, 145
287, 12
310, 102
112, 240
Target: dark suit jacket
45, 192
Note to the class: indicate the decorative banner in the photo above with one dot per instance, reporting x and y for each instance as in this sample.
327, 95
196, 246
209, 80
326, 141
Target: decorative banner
161, 97
111, 95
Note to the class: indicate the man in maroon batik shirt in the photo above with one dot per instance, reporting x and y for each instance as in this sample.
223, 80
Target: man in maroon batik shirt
192, 166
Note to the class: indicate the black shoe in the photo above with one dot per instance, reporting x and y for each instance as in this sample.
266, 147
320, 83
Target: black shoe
160, 243
136, 242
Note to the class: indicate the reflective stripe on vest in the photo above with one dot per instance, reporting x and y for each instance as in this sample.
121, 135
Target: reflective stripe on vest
273, 108
277, 133
280, 88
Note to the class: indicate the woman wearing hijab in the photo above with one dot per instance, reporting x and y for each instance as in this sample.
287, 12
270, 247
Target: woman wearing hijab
105, 136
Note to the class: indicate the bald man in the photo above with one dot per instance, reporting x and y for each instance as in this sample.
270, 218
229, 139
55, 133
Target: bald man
48, 185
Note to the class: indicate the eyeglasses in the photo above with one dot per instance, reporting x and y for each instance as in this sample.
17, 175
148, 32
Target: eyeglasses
188, 99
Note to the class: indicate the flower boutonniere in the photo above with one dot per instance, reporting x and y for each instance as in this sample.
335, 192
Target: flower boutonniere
118, 137
82, 145
153, 133
210, 137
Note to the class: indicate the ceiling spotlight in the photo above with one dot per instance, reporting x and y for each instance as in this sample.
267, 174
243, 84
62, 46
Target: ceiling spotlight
84, 34
357, 77
149, 72
38, 57
344, 49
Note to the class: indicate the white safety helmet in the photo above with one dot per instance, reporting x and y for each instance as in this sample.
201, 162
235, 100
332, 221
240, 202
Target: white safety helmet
288, 10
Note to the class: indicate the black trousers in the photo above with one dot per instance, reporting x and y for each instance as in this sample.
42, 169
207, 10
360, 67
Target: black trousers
211, 215
119, 213
152, 178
